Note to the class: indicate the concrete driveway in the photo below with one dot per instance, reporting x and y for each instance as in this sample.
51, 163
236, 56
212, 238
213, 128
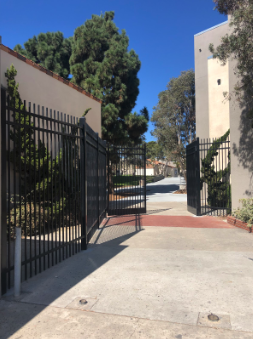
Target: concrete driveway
162, 191
142, 282
161, 199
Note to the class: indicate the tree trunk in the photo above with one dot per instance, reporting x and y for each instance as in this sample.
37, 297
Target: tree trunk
110, 181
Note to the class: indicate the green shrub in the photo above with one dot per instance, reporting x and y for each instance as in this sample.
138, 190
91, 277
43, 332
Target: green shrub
218, 183
245, 213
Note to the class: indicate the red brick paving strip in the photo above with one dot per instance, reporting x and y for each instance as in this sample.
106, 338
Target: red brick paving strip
165, 221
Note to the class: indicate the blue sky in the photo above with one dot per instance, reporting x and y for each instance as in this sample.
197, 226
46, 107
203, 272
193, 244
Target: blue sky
161, 32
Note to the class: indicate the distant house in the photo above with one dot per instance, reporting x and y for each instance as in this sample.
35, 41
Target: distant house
158, 167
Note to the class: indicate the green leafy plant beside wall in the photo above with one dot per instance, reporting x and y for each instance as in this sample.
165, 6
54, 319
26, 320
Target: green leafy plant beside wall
245, 213
39, 174
217, 181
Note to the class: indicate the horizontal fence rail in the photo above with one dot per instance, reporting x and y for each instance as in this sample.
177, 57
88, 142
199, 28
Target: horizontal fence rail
53, 186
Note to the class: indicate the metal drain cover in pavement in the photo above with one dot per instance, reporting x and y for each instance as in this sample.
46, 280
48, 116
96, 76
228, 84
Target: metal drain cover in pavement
83, 301
213, 317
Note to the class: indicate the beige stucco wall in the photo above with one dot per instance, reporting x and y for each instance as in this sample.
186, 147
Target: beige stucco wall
218, 106
241, 148
214, 115
41, 89
202, 69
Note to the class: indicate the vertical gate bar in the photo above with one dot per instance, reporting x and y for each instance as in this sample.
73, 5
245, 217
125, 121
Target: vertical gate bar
9, 184
19, 164
122, 174
128, 180
205, 187
108, 178
198, 179
38, 111
71, 185
4, 245
51, 193
145, 181
56, 190
25, 178
116, 178
221, 179
135, 178
141, 160
48, 173
105, 178
19, 171
119, 171
62, 180
135, 152
30, 187
74, 179
124, 203
65, 173
83, 185
229, 176
68, 181
34, 187
59, 182
14, 165
98, 214
78, 180
44, 154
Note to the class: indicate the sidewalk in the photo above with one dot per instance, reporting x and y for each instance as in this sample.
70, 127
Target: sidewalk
142, 282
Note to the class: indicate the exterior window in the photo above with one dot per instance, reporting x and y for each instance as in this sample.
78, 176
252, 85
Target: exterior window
219, 81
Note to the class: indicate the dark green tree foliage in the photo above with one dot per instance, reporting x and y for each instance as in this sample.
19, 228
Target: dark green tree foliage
238, 44
26, 150
174, 117
102, 65
154, 151
228, 6
50, 50
218, 185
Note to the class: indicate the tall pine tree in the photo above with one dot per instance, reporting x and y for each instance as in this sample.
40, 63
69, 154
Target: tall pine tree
102, 65
50, 50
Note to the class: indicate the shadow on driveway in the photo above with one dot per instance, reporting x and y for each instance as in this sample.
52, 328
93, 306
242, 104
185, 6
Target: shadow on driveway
45, 288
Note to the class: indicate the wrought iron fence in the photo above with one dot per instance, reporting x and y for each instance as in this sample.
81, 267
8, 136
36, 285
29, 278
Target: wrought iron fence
53, 186
126, 180
208, 176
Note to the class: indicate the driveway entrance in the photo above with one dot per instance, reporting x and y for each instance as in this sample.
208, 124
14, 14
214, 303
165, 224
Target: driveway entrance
142, 282
143, 276
161, 199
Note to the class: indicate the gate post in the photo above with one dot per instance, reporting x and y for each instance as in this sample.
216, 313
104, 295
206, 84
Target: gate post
145, 179
98, 176
83, 185
3, 226
197, 164
193, 178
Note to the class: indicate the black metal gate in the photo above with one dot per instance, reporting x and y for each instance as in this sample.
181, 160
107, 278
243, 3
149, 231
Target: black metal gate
53, 186
193, 177
126, 170
208, 176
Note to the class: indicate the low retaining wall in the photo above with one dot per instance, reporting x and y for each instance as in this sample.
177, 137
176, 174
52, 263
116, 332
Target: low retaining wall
238, 223
158, 177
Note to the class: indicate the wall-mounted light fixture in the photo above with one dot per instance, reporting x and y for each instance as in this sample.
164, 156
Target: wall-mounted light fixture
219, 81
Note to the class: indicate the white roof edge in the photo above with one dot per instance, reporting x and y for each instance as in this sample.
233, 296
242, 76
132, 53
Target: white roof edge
209, 29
